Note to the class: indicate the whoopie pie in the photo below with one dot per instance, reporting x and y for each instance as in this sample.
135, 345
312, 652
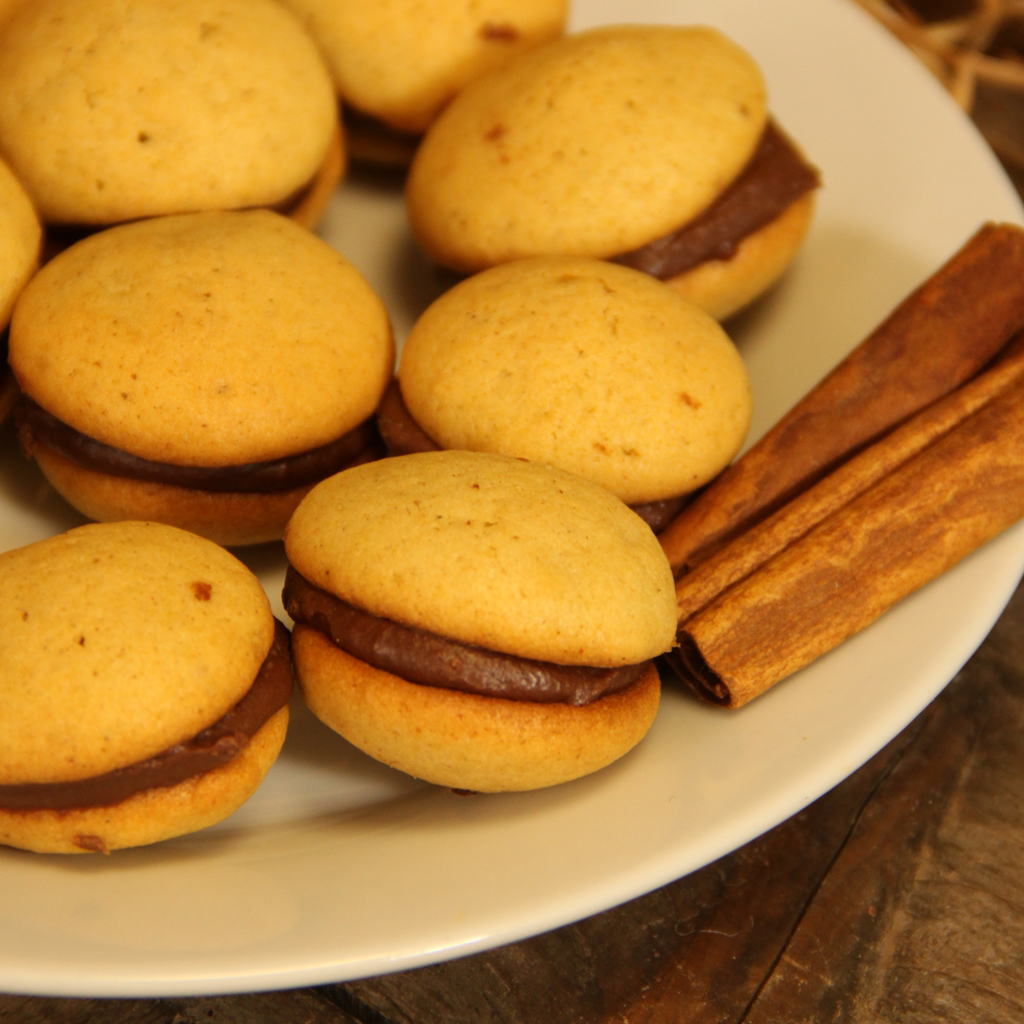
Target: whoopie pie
111, 110
397, 63
478, 621
145, 687
595, 368
203, 370
650, 145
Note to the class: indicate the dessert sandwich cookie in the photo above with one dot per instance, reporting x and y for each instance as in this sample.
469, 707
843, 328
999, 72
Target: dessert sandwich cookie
203, 370
112, 110
589, 366
396, 63
480, 622
648, 145
145, 686
21, 237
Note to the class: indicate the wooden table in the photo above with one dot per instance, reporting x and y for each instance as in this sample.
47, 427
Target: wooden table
898, 896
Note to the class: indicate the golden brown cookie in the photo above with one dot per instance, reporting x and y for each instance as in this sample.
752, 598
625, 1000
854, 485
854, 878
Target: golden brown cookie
123, 647
400, 61
512, 611
204, 369
595, 368
610, 143
112, 110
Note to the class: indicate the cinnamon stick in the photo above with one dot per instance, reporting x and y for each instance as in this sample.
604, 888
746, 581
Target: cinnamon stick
752, 549
910, 527
937, 338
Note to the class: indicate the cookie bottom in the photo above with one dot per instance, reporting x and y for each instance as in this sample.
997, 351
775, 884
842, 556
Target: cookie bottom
460, 740
724, 287
153, 814
230, 518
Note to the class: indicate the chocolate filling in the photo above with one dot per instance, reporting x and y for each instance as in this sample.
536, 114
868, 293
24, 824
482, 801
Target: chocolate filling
372, 140
773, 179
658, 514
35, 424
402, 435
214, 746
431, 660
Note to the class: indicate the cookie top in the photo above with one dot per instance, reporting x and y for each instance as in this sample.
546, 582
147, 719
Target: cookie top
589, 366
401, 60
117, 641
207, 339
20, 239
513, 556
117, 109
591, 145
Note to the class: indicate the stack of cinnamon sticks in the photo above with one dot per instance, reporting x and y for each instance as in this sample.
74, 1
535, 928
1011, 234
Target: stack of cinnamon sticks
902, 461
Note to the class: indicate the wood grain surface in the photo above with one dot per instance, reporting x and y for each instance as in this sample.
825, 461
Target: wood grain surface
897, 896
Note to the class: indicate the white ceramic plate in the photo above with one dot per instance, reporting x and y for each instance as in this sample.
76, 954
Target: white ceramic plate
340, 868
